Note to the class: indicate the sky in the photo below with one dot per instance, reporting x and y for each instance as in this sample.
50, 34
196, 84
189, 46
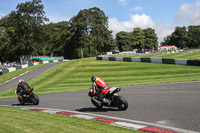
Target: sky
124, 15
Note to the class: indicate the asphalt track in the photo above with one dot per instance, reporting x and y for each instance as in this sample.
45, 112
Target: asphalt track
28, 76
175, 105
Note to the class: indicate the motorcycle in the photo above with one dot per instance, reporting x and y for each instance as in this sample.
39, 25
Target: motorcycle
111, 99
29, 97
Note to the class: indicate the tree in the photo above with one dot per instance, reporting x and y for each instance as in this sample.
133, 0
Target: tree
194, 34
151, 39
30, 18
138, 39
166, 41
124, 41
6, 49
7, 40
103, 40
80, 25
90, 34
180, 38
27, 23
57, 36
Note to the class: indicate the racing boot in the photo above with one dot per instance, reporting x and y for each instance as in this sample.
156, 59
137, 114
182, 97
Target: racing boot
22, 98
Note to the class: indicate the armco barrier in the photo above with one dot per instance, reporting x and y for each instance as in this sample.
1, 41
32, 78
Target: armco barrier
24, 66
55, 60
128, 59
18, 67
168, 61
193, 62
119, 59
135, 59
99, 58
12, 69
147, 60
152, 60
181, 61
5, 71
112, 58
156, 60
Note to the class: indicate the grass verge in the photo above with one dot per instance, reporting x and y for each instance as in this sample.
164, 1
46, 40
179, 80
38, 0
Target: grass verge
15, 120
10, 75
75, 75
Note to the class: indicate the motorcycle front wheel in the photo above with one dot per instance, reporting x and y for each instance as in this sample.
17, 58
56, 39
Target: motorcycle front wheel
21, 101
34, 99
96, 104
121, 103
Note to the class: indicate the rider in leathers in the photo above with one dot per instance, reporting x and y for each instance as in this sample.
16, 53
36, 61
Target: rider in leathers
99, 88
22, 88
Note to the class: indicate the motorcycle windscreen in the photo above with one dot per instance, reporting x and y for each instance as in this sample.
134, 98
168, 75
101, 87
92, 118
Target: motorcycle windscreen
112, 89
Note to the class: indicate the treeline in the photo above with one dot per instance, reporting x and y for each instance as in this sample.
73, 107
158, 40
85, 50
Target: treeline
139, 39
26, 32
184, 37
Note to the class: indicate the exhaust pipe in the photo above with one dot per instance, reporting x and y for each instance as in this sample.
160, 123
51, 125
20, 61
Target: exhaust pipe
97, 101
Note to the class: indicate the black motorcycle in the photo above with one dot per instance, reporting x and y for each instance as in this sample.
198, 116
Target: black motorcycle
112, 99
29, 97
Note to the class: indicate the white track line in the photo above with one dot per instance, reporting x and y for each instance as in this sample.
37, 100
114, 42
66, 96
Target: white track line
127, 123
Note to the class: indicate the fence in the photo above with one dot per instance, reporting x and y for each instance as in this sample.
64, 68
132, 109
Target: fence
152, 60
158, 53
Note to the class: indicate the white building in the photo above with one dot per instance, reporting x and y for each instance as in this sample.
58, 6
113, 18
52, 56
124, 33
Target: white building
166, 48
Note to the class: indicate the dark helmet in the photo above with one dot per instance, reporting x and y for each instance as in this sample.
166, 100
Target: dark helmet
93, 78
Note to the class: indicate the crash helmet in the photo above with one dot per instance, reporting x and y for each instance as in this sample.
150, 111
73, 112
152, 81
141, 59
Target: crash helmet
21, 80
93, 78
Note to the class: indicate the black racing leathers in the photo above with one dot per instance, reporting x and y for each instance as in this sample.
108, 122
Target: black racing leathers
22, 88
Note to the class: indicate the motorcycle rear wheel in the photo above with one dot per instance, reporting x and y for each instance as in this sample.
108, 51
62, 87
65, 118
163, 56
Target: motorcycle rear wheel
96, 104
121, 103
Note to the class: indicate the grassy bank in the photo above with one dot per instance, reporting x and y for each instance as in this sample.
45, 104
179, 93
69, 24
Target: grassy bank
10, 75
15, 120
75, 75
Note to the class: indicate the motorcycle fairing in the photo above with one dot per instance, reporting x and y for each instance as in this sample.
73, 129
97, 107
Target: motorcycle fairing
103, 92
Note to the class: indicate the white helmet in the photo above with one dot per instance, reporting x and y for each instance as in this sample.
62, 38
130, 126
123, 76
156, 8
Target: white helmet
21, 80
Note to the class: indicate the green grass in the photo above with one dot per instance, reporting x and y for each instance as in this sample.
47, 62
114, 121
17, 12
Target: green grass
10, 75
191, 56
75, 75
15, 120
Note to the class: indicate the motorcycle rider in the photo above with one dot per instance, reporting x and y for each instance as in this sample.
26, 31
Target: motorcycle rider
99, 88
22, 88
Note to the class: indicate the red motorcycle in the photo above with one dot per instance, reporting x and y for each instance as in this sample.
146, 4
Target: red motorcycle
29, 97
109, 98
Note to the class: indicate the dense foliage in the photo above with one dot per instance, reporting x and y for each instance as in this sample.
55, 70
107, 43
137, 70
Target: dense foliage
26, 32
139, 39
184, 37
22, 31
90, 35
